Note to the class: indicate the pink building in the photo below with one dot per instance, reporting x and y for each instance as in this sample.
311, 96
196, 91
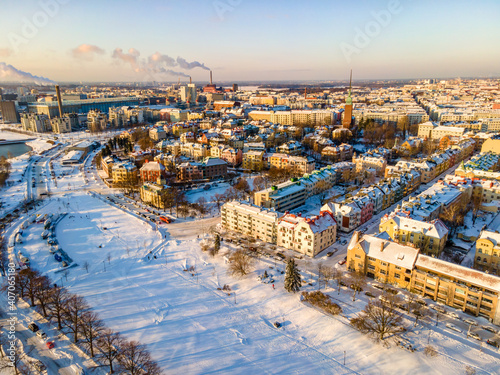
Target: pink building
232, 156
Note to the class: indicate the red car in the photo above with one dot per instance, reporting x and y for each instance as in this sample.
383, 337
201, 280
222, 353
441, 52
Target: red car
50, 344
343, 261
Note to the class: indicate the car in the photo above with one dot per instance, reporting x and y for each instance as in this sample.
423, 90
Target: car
369, 294
50, 344
438, 308
417, 313
33, 327
343, 261
493, 343
64, 263
453, 314
281, 256
453, 327
470, 321
488, 328
277, 324
329, 254
474, 335
378, 287
41, 334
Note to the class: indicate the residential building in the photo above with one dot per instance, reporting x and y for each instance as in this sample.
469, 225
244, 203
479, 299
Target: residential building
282, 197
487, 256
151, 171
35, 123
124, 172
347, 215
250, 220
253, 161
308, 236
364, 162
151, 193
429, 237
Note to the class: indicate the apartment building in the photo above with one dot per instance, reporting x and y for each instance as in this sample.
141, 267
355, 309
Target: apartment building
151, 193
251, 220
308, 236
463, 288
253, 161
35, 123
364, 162
151, 171
124, 172
487, 256
347, 215
282, 197
296, 164
430, 237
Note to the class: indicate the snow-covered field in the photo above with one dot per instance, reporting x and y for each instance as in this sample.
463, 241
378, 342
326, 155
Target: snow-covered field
192, 327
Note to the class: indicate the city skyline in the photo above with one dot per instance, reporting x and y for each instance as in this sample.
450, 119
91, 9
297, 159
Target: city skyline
243, 41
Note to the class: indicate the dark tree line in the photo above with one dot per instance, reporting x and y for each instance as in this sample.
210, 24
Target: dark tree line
72, 314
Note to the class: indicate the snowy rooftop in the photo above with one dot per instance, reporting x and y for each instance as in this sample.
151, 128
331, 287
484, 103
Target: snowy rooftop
388, 251
459, 272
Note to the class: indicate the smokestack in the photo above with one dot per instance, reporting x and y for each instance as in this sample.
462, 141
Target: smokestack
210, 77
190, 80
59, 101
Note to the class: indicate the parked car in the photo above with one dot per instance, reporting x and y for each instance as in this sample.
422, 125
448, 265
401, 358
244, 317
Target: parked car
343, 261
474, 335
369, 294
488, 328
329, 254
453, 327
57, 257
33, 327
438, 308
41, 334
470, 321
493, 343
356, 288
50, 344
453, 314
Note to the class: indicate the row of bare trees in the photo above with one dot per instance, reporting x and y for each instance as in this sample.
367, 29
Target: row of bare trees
71, 313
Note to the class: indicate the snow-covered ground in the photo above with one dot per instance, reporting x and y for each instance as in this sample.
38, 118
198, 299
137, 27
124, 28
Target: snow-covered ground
192, 327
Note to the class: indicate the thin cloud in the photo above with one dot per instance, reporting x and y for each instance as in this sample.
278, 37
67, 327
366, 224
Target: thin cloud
5, 52
86, 51
10, 74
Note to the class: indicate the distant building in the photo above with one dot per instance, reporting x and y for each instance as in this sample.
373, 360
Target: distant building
35, 123
9, 111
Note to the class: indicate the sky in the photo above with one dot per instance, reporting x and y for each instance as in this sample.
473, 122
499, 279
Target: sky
247, 40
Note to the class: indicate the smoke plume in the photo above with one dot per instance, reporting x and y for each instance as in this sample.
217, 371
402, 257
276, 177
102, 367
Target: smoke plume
190, 65
10, 74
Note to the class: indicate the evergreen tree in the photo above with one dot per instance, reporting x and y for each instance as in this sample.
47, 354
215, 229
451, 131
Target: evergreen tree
293, 281
217, 243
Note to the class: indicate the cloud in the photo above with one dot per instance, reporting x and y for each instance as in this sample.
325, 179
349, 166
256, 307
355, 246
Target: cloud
4, 52
10, 74
86, 51
190, 65
157, 58
157, 63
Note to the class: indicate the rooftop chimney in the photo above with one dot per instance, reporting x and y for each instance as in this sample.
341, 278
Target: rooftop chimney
382, 246
59, 101
210, 77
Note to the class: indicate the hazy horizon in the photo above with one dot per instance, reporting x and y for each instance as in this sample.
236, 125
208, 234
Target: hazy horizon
137, 41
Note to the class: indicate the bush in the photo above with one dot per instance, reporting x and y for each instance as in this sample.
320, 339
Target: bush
322, 301
429, 351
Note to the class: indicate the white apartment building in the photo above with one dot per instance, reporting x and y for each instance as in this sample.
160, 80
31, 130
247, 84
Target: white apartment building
308, 236
250, 220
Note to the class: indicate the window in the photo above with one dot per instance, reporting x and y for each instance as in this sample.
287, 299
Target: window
397, 275
357, 256
382, 272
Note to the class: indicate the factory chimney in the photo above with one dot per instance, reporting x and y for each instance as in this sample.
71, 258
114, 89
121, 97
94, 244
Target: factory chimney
59, 101
190, 80
210, 77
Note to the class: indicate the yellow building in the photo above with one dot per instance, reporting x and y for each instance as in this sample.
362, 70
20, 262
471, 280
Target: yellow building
381, 259
430, 238
488, 252
253, 160
463, 288
124, 172
152, 193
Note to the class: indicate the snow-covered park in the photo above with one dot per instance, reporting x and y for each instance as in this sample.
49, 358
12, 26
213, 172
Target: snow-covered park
137, 283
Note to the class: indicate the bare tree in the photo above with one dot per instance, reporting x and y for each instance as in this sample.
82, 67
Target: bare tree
109, 344
219, 198
379, 318
338, 276
136, 359
43, 294
91, 328
327, 274
73, 310
239, 263
86, 265
57, 303
357, 283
